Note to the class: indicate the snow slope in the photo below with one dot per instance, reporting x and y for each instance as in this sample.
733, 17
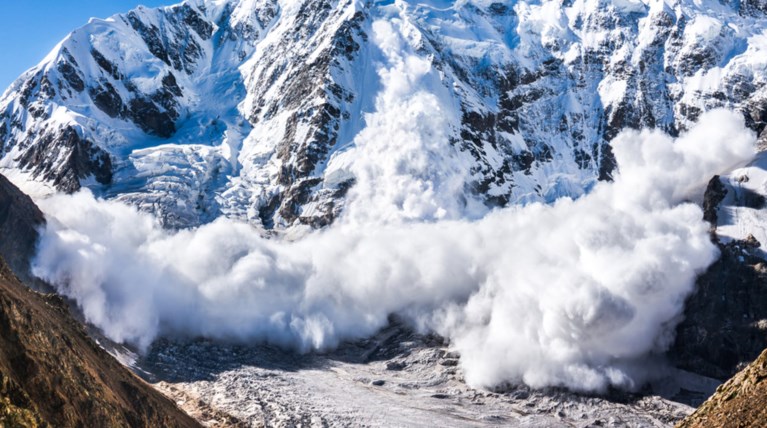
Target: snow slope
741, 213
270, 111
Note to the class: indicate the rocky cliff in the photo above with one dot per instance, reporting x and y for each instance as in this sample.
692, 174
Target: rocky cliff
725, 321
53, 374
19, 220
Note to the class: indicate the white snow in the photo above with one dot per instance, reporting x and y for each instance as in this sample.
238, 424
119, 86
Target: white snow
572, 294
703, 27
736, 219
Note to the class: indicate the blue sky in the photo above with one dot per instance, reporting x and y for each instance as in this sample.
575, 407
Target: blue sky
29, 29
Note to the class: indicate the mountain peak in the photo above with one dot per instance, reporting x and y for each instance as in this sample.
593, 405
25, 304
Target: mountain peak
257, 110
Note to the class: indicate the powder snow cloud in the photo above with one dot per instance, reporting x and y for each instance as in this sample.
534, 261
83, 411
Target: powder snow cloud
577, 294
571, 294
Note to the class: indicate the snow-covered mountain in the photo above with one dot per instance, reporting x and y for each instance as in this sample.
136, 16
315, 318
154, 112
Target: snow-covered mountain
271, 110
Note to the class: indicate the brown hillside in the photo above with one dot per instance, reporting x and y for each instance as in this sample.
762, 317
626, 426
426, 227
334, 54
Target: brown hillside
739, 403
52, 373
19, 220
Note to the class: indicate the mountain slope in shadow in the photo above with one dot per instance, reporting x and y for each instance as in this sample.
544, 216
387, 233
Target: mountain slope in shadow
51, 372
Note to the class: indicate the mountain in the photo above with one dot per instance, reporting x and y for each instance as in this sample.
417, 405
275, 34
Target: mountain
283, 112
53, 374
262, 110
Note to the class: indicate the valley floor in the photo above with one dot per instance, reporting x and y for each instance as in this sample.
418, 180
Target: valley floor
397, 378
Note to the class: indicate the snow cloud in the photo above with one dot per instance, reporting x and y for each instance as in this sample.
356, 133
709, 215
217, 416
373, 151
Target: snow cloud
576, 294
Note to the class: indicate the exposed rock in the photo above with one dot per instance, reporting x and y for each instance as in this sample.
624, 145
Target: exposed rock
19, 220
725, 321
76, 159
69, 71
741, 402
53, 374
151, 119
106, 64
714, 195
107, 99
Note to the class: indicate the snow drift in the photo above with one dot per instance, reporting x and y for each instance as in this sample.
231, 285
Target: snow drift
574, 294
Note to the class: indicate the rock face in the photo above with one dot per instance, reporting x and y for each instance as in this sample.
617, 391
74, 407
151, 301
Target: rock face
741, 402
714, 195
19, 220
255, 109
725, 320
725, 324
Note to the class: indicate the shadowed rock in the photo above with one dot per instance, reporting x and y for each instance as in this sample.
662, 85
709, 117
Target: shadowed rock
19, 220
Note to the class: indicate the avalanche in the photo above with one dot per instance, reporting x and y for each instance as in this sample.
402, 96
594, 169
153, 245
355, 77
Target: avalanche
294, 172
575, 294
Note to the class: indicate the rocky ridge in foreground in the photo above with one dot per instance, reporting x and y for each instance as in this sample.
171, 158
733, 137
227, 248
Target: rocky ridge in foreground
741, 402
51, 372
19, 220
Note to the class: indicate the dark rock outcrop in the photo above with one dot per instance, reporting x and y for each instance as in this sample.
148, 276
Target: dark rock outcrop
151, 119
77, 159
725, 324
725, 320
19, 220
715, 193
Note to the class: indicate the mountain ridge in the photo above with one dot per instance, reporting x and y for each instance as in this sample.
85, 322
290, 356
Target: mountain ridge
257, 109
737, 403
